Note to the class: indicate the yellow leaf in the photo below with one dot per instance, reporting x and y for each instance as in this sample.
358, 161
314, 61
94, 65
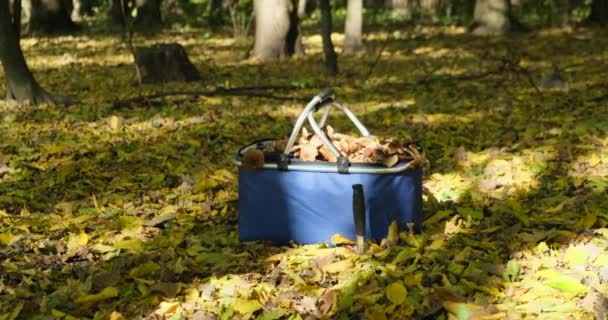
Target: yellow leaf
393, 233
76, 240
374, 314
587, 221
144, 269
468, 311
167, 308
577, 256
567, 284
547, 273
7, 238
542, 247
601, 260
244, 306
134, 245
339, 239
205, 185
116, 122
106, 293
340, 266
594, 160
396, 293
116, 316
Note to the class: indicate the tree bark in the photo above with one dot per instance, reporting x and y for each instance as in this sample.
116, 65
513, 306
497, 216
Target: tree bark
15, 16
148, 14
163, 63
21, 85
430, 8
331, 61
115, 14
50, 16
81, 9
215, 13
353, 27
599, 12
492, 17
277, 29
401, 9
301, 9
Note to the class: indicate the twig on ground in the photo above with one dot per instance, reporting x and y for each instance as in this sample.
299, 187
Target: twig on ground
242, 91
389, 36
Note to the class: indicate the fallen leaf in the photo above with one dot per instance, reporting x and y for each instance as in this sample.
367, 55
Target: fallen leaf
396, 293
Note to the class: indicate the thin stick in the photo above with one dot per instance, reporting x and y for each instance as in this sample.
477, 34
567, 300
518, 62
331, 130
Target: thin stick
217, 92
371, 68
128, 30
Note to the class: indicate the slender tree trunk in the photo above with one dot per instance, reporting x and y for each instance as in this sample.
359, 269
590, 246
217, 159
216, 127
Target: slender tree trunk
331, 61
215, 13
301, 9
148, 14
492, 17
599, 12
81, 9
430, 8
50, 16
16, 18
115, 16
277, 30
401, 9
353, 27
21, 85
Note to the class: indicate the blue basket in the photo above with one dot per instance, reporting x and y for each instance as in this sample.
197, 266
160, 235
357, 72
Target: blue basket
308, 202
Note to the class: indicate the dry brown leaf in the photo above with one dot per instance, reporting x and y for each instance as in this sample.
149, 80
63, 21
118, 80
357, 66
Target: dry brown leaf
390, 161
316, 141
327, 155
339, 239
308, 152
327, 301
394, 148
280, 145
344, 148
164, 217
253, 159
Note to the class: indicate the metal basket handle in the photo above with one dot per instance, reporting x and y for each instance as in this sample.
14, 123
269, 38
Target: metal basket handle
324, 97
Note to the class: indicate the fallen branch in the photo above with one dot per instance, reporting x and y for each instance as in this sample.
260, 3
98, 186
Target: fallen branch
220, 91
389, 36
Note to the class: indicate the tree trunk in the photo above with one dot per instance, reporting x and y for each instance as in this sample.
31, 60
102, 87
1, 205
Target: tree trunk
148, 14
599, 12
492, 17
430, 8
50, 16
81, 9
401, 9
331, 61
115, 14
277, 29
21, 84
163, 63
353, 27
15, 16
215, 13
301, 9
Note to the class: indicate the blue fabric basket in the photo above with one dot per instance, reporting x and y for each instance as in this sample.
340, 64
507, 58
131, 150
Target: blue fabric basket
308, 202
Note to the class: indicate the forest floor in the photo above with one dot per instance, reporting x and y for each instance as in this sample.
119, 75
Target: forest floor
126, 211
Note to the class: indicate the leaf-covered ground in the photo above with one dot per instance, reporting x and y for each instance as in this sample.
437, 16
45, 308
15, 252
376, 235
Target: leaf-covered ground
129, 211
